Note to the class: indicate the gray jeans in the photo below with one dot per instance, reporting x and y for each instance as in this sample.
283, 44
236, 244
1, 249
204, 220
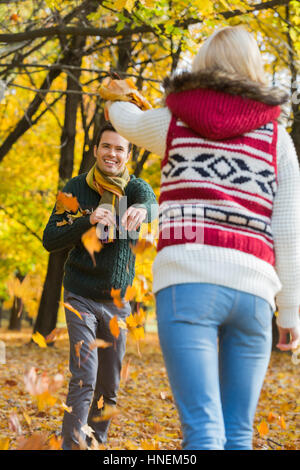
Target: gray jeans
95, 372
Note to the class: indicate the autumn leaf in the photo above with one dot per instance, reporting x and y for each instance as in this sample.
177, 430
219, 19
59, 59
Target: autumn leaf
99, 343
72, 309
39, 339
91, 243
4, 443
68, 409
263, 429
45, 400
282, 423
116, 296
131, 321
108, 413
138, 333
100, 403
271, 417
114, 327
78, 347
62, 223
130, 293
122, 90
141, 246
66, 202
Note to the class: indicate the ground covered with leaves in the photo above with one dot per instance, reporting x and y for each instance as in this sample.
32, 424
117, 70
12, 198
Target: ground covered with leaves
147, 417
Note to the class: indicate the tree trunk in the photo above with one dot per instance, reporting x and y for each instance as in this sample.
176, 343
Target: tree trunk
15, 321
47, 315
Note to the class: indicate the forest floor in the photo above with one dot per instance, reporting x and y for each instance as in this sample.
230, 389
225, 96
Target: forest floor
147, 417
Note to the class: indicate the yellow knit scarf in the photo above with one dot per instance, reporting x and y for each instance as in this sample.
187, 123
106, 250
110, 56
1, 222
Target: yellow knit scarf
110, 188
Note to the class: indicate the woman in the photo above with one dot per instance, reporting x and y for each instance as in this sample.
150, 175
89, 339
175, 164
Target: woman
229, 234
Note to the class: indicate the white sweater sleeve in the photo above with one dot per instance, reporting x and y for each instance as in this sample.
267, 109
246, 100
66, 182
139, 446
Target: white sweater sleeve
286, 231
146, 129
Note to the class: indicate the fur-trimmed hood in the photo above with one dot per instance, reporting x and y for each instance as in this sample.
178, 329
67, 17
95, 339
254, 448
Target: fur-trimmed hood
219, 106
218, 80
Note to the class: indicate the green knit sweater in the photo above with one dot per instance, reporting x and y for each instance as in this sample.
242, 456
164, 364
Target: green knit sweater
115, 262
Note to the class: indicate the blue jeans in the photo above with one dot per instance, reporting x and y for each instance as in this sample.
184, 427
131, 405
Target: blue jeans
96, 372
216, 344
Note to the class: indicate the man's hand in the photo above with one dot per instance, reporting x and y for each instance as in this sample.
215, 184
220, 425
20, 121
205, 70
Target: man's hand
104, 216
133, 218
289, 338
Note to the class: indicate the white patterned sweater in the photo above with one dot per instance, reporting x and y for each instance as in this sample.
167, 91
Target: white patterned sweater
225, 266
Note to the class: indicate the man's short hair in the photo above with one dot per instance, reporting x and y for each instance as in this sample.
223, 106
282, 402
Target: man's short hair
108, 127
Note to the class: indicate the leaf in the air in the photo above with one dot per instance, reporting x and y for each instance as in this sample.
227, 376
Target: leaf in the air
114, 326
39, 339
91, 243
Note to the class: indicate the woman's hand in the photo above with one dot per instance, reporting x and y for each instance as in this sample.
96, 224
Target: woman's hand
289, 338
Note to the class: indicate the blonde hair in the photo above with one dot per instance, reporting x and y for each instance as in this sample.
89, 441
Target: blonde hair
233, 50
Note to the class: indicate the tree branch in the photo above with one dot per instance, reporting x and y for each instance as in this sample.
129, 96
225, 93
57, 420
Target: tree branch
113, 32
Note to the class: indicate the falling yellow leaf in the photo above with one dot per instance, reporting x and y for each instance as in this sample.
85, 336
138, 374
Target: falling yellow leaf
114, 327
91, 243
263, 429
45, 400
131, 321
141, 246
66, 408
100, 403
282, 423
116, 296
72, 309
99, 343
271, 417
39, 339
130, 293
77, 347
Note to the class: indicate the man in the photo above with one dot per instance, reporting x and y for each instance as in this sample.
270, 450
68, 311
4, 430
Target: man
87, 284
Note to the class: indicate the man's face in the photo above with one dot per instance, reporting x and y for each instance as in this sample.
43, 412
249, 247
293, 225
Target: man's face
112, 153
